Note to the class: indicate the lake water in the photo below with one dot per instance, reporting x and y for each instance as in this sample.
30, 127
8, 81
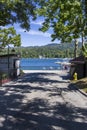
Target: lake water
42, 64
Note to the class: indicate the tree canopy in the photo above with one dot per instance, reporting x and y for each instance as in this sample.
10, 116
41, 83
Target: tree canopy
17, 11
14, 11
66, 17
9, 36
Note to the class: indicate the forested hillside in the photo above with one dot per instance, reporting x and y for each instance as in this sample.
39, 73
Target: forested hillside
50, 51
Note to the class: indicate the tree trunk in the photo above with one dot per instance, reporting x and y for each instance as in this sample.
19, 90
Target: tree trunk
76, 47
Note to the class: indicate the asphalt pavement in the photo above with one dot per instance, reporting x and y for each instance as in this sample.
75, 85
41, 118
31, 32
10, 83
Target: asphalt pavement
42, 101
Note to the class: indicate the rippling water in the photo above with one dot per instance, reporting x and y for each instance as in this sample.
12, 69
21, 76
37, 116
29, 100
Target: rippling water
42, 64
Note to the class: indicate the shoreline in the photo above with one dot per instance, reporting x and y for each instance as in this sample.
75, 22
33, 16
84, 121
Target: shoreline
45, 71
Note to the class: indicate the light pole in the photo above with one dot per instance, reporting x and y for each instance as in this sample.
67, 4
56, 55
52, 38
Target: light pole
8, 59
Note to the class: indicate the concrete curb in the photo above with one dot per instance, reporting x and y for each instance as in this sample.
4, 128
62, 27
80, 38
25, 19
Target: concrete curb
82, 92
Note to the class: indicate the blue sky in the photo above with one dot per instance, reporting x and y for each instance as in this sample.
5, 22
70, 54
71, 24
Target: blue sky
34, 37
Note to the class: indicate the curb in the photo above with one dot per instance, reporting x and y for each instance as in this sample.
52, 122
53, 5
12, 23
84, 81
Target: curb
82, 92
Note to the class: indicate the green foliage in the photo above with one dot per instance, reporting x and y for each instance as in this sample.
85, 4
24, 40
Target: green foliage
21, 72
84, 50
3, 76
67, 18
17, 11
9, 36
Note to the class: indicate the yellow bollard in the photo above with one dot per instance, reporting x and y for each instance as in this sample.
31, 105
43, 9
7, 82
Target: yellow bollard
75, 76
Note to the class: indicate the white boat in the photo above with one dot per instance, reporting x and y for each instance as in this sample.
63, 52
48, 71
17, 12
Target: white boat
63, 63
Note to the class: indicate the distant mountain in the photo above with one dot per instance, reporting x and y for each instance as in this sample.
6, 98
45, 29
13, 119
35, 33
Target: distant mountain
52, 44
64, 45
60, 46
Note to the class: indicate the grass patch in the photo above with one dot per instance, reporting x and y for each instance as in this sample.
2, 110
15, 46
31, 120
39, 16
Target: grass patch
81, 84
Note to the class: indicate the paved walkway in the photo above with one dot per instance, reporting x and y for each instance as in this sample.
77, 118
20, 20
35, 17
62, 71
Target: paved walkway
42, 101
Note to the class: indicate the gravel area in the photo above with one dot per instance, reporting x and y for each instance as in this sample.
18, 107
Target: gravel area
42, 100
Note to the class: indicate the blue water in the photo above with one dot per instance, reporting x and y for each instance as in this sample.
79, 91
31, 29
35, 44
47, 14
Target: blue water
41, 64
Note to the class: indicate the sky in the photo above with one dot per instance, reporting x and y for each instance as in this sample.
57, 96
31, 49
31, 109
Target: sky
35, 37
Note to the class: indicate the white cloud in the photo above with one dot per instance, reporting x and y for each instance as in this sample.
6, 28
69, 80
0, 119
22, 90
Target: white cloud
3, 27
35, 32
39, 22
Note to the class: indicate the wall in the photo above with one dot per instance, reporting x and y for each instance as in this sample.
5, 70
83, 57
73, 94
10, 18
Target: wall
79, 69
7, 64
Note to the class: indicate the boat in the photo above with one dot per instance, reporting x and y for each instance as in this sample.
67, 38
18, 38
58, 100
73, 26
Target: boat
63, 63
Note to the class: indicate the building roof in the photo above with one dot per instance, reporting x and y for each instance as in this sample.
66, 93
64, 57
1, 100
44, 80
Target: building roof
10, 55
80, 59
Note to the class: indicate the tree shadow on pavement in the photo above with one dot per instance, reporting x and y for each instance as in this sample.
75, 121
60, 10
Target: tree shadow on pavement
19, 113
42, 77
